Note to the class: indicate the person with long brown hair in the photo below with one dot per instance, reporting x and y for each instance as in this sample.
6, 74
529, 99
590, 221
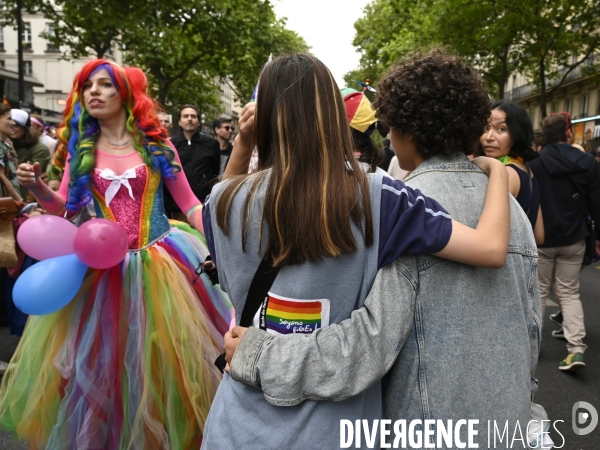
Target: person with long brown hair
328, 227
128, 363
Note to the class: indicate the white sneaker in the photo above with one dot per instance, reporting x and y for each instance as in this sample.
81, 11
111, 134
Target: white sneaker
3, 367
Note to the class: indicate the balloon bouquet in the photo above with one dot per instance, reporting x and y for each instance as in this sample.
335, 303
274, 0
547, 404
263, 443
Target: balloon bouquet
65, 252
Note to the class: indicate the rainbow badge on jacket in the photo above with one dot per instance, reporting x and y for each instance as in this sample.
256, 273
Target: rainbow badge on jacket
286, 315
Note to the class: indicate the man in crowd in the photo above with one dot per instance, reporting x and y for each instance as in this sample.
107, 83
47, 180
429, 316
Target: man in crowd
200, 158
165, 121
223, 130
388, 154
8, 157
570, 191
38, 129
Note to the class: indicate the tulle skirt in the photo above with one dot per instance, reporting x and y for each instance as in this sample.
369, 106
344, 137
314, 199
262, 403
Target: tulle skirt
129, 363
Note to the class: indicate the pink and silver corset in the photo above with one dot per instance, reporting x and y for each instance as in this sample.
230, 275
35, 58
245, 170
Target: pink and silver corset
135, 201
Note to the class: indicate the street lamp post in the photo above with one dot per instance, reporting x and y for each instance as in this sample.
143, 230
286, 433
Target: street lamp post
20, 53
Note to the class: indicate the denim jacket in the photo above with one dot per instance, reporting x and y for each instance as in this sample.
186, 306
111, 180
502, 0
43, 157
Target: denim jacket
457, 342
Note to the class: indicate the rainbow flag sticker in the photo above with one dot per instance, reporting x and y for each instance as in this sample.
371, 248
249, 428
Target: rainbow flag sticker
286, 316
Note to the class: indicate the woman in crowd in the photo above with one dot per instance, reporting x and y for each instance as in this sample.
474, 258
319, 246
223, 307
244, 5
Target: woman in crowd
129, 362
362, 120
508, 137
313, 213
26, 144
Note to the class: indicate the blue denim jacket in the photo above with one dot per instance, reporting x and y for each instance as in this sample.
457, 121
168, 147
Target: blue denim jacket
457, 342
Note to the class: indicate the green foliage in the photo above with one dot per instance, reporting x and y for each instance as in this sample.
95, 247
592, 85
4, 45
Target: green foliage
562, 37
545, 39
184, 46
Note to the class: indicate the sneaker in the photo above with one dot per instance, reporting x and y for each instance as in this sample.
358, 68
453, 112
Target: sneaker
557, 317
573, 362
3, 367
559, 334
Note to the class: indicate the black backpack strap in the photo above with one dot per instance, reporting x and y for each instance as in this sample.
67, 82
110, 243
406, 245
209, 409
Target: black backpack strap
259, 290
257, 295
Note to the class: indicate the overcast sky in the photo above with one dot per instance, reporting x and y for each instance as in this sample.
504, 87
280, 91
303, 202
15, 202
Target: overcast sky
327, 26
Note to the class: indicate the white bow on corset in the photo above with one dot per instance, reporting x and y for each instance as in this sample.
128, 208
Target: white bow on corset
117, 182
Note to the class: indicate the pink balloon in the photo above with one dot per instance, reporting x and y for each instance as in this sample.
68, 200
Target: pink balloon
101, 244
43, 237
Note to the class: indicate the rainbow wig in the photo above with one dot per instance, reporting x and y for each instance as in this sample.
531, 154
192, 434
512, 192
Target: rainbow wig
78, 133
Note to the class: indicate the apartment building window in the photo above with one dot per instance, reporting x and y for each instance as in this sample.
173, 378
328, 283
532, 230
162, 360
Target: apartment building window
569, 106
26, 35
50, 47
532, 115
554, 107
1, 38
585, 100
27, 68
2, 64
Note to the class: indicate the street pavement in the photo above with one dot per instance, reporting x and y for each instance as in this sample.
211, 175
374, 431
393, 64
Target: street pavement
558, 391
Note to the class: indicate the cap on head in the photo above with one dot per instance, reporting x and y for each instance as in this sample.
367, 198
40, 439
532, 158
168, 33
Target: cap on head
361, 114
20, 117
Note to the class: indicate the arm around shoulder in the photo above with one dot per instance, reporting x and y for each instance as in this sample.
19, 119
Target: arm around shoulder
336, 362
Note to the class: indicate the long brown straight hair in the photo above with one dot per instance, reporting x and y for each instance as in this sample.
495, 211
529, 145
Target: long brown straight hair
315, 187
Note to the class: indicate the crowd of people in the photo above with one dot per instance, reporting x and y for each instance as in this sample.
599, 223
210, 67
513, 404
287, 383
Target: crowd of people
426, 280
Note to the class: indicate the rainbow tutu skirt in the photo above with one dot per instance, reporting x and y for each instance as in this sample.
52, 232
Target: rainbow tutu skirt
129, 363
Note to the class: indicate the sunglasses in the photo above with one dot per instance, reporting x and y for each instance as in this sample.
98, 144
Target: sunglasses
228, 128
567, 121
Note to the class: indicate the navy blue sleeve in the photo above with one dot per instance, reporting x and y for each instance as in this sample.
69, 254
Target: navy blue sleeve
411, 223
208, 232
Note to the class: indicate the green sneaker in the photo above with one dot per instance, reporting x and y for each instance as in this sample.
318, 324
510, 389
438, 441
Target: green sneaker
573, 362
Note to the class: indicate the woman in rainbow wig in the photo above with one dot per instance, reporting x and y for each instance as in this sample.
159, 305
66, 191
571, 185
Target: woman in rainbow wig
128, 364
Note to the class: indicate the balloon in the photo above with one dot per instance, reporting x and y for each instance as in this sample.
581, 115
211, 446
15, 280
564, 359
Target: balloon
45, 236
49, 285
100, 243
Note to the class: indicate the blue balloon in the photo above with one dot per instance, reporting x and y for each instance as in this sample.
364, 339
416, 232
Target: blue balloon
49, 285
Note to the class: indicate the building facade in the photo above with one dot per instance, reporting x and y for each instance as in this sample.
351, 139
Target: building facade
579, 95
230, 108
43, 64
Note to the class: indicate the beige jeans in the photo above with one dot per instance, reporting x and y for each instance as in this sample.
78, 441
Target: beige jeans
565, 263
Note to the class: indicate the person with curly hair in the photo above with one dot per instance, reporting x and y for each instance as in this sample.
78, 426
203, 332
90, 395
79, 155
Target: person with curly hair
456, 341
129, 362
508, 137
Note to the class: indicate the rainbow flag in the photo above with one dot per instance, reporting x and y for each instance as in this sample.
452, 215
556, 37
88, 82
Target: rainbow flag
287, 316
5, 101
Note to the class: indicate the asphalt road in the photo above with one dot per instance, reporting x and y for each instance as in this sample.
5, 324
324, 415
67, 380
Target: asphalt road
558, 391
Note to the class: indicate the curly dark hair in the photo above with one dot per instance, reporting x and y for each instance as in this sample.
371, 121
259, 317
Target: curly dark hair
438, 99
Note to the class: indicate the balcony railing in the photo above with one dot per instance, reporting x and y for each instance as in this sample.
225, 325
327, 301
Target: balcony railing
530, 88
519, 92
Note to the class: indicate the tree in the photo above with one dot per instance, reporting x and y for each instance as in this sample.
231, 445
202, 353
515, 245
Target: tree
545, 39
481, 32
185, 46
85, 24
231, 39
562, 36
487, 33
